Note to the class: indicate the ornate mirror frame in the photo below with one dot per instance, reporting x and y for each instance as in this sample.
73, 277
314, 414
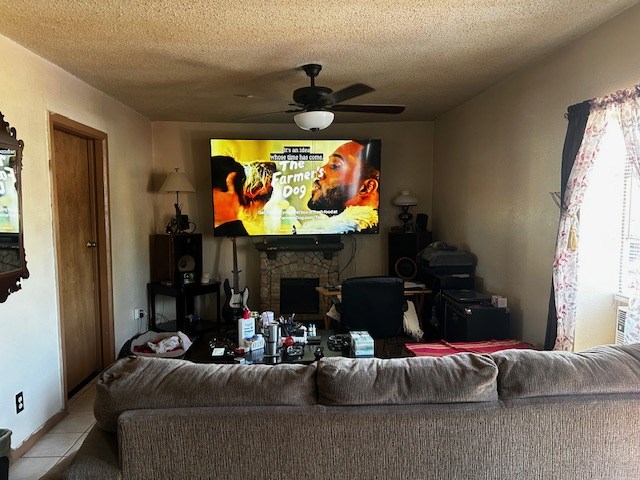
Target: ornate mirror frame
13, 263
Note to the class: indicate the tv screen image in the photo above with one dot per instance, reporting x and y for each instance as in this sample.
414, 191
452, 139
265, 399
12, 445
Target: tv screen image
295, 187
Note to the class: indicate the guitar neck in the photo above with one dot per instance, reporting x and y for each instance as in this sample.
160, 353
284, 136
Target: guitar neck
235, 271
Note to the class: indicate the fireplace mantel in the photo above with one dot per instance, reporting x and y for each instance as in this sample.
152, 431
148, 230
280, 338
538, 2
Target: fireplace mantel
328, 246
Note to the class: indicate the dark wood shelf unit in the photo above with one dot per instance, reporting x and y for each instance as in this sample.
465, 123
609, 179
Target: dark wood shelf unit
184, 299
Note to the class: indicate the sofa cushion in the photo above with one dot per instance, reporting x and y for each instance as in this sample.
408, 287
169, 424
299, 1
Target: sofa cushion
371, 381
604, 369
143, 383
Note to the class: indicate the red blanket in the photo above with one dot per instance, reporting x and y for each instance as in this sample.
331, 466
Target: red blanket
442, 348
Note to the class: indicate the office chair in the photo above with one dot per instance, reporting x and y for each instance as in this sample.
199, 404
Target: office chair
374, 304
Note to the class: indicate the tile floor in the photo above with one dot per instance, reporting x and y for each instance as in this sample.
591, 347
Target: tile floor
61, 442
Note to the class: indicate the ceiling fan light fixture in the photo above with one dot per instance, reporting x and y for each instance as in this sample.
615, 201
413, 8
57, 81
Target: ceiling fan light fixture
314, 120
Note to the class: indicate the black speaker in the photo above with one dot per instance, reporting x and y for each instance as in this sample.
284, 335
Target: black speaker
406, 268
177, 258
421, 222
407, 245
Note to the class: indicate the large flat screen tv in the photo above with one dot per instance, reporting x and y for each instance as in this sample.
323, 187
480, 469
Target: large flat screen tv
295, 187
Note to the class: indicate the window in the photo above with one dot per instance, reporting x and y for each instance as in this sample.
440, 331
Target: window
630, 231
611, 120
609, 240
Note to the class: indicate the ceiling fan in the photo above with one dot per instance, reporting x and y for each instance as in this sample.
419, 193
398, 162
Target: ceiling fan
316, 104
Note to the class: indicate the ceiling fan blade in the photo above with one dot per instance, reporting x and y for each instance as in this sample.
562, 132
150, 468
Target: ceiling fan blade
351, 91
262, 99
263, 114
368, 108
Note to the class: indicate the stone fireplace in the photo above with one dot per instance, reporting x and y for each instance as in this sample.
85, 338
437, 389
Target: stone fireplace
288, 262
299, 295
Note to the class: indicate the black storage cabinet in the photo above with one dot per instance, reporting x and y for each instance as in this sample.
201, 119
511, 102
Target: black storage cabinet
442, 270
467, 321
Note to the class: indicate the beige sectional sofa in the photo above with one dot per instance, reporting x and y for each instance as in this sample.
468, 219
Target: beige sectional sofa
515, 414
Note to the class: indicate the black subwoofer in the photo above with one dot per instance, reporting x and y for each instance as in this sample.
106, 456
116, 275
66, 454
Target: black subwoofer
176, 259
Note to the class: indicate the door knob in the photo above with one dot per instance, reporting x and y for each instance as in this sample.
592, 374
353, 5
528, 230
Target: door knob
91, 244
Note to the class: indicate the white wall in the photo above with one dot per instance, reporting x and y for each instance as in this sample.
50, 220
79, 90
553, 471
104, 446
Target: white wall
498, 156
407, 160
30, 357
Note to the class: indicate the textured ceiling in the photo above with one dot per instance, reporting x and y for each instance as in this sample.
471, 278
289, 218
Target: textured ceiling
223, 60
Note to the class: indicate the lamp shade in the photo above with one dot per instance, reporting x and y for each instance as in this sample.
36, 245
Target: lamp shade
177, 182
405, 199
314, 120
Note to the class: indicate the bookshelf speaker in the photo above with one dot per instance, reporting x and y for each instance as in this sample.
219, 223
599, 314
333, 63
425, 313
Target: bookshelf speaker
176, 258
405, 246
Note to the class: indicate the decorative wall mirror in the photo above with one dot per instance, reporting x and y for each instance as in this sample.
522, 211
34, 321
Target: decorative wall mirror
13, 263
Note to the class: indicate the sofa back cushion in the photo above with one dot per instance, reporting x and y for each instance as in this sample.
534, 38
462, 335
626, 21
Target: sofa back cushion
465, 377
144, 383
604, 369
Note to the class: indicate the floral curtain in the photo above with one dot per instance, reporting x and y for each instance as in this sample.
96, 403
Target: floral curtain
627, 104
622, 107
565, 263
577, 116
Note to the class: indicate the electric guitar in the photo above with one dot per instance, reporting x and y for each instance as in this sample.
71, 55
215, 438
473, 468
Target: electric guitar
236, 299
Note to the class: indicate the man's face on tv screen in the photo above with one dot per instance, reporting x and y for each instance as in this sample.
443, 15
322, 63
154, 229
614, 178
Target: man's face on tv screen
337, 180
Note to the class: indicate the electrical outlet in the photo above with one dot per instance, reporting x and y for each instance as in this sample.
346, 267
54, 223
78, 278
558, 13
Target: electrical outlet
138, 313
19, 402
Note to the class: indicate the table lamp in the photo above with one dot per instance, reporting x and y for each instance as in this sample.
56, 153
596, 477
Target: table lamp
177, 182
405, 201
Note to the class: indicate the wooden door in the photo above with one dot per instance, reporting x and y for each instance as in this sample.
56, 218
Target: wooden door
82, 246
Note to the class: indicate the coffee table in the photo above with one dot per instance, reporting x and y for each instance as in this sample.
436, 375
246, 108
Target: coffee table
200, 352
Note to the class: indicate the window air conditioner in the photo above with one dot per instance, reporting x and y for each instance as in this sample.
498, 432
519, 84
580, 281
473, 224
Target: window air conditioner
621, 320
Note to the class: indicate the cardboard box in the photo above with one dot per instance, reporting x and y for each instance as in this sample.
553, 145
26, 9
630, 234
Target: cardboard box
498, 301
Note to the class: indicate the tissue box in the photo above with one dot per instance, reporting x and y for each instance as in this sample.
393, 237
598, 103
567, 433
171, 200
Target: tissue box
361, 344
